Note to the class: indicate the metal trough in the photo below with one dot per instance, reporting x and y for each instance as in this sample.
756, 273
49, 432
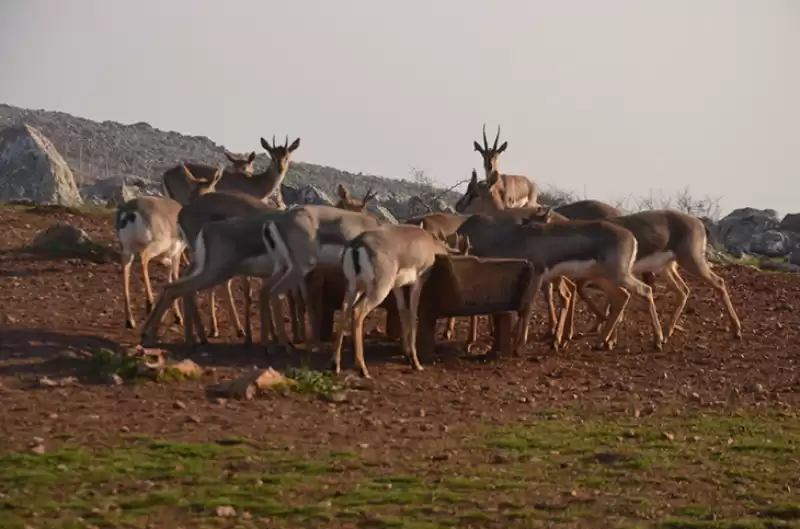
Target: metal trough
457, 286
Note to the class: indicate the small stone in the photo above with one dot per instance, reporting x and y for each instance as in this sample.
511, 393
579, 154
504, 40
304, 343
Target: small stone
499, 459
421, 412
53, 416
114, 380
46, 382
246, 516
363, 445
38, 449
425, 427
695, 396
336, 397
226, 511
669, 436
194, 418
179, 405
67, 354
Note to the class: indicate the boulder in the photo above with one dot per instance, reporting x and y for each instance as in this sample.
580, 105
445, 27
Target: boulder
61, 236
771, 243
31, 167
791, 223
737, 231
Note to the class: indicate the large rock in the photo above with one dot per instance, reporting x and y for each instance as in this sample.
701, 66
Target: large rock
31, 167
771, 243
741, 227
791, 223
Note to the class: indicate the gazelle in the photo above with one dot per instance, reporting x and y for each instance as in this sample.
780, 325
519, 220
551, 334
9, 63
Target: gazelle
347, 201
211, 207
148, 227
594, 250
260, 185
222, 249
305, 237
666, 239
508, 190
391, 259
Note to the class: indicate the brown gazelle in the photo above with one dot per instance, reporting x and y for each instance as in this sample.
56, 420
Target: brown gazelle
349, 202
391, 259
666, 239
594, 250
148, 226
508, 190
260, 185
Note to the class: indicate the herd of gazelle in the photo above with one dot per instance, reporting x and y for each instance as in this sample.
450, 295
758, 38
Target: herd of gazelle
221, 216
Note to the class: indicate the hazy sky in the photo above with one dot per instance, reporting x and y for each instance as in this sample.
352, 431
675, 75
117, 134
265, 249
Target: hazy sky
614, 97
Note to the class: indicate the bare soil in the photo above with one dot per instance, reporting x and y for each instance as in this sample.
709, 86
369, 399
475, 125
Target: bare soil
423, 425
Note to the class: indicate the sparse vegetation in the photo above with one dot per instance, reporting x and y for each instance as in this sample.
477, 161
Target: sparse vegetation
565, 467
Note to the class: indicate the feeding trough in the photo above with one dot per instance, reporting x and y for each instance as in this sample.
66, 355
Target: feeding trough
458, 286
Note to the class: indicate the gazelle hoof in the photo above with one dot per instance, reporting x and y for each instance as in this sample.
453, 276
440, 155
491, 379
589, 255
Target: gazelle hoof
148, 307
240, 333
130, 324
214, 333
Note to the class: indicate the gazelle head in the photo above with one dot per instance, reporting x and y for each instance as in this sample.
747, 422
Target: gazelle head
201, 186
458, 244
346, 200
482, 197
488, 154
280, 154
242, 165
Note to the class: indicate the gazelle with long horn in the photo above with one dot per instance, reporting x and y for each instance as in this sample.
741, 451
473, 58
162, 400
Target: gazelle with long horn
509, 190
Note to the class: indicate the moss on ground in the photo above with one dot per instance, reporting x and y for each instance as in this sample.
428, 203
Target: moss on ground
564, 468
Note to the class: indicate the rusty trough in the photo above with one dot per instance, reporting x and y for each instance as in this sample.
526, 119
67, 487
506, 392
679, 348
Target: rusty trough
458, 286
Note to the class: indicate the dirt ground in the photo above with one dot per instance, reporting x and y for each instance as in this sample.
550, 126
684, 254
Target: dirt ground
426, 426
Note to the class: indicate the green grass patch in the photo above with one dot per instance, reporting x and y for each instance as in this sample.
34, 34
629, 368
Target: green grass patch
568, 469
310, 381
105, 363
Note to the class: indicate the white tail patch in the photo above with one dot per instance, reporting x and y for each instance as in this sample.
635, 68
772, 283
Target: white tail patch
357, 265
135, 235
571, 269
278, 249
656, 263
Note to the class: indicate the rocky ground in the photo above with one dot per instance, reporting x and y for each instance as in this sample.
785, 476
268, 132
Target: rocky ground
702, 434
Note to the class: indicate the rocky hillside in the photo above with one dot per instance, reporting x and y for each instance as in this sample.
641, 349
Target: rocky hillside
99, 152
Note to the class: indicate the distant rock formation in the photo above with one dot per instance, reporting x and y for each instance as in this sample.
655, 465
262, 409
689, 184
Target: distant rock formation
31, 168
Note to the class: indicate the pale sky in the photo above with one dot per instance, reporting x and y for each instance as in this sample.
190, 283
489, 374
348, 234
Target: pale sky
611, 97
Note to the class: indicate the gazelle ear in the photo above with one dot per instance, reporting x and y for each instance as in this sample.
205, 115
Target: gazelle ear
477, 147
295, 144
265, 144
502, 147
251, 157
474, 178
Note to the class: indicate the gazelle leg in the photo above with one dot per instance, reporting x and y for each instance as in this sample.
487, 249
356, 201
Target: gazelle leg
347, 303
361, 308
698, 266
175, 270
145, 258
232, 305
127, 262
415, 292
212, 307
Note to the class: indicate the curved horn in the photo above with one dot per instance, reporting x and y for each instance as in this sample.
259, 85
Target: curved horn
496, 138
286, 143
369, 196
485, 143
273, 141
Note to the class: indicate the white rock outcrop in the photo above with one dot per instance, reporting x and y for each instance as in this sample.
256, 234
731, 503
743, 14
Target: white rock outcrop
31, 168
